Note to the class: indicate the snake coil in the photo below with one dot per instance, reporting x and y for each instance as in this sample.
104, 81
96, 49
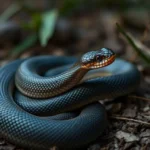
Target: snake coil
73, 118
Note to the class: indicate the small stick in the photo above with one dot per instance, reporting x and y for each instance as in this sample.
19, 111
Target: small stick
130, 119
141, 98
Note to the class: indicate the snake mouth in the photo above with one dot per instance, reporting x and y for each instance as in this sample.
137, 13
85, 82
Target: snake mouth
103, 63
97, 59
99, 64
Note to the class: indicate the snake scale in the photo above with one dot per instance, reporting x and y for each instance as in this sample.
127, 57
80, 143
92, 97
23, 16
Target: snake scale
44, 102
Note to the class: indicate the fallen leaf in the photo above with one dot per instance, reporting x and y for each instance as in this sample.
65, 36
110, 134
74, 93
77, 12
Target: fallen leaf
128, 137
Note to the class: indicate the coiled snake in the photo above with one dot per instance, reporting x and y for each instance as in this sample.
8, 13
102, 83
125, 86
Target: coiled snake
26, 114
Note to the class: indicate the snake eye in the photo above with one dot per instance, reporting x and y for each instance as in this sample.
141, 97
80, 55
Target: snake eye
98, 58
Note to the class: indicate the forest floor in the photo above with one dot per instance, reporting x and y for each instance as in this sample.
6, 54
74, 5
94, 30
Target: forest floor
129, 116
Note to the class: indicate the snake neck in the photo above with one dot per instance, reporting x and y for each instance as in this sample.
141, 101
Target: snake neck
74, 75
45, 87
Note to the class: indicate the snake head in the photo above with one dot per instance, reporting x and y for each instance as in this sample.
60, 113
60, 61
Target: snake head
97, 59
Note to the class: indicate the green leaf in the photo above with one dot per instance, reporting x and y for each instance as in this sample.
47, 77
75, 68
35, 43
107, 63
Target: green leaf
34, 24
47, 26
132, 43
27, 43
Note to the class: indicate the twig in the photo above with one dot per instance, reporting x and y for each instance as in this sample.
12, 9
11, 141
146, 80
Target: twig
130, 119
141, 98
141, 46
137, 49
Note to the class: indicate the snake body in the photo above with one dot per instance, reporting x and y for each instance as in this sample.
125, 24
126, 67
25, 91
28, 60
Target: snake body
28, 120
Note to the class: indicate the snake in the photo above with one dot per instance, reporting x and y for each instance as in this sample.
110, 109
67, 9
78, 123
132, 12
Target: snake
48, 101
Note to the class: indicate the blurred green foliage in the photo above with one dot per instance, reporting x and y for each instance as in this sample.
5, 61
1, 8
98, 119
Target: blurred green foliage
34, 23
42, 22
132, 43
46, 29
